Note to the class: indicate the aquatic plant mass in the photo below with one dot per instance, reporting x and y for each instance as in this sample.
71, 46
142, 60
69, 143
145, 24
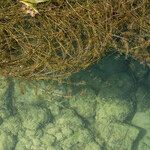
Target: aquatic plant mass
43, 39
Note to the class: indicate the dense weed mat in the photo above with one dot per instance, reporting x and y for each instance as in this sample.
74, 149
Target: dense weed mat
69, 35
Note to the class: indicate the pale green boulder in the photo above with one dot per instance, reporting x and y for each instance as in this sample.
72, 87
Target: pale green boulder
142, 120
112, 109
3, 88
6, 141
33, 116
117, 85
143, 99
4, 85
12, 125
118, 135
84, 103
34, 92
109, 123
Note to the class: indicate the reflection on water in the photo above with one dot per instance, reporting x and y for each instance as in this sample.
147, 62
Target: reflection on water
105, 107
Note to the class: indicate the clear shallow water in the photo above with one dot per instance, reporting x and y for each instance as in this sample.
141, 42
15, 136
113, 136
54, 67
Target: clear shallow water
105, 107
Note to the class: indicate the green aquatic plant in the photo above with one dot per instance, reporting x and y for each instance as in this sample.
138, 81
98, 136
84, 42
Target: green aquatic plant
67, 36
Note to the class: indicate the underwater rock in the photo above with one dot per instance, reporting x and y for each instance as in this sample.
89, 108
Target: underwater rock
3, 87
33, 116
29, 139
37, 92
142, 120
7, 141
110, 115
84, 103
66, 132
143, 98
4, 114
90, 78
12, 125
118, 135
118, 64
70, 132
112, 109
147, 80
66, 123
138, 69
117, 85
51, 124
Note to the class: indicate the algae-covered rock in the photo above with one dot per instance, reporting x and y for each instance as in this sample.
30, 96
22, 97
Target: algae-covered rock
142, 120
70, 132
12, 125
84, 103
112, 109
91, 78
117, 62
6, 141
34, 92
66, 132
3, 114
147, 79
48, 119
138, 69
143, 99
29, 139
117, 85
25, 92
3, 87
33, 116
119, 136
110, 115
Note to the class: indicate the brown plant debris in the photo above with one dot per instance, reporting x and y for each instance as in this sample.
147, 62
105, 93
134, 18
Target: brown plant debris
69, 35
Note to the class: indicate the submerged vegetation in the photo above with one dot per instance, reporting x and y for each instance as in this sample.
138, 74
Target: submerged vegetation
69, 35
